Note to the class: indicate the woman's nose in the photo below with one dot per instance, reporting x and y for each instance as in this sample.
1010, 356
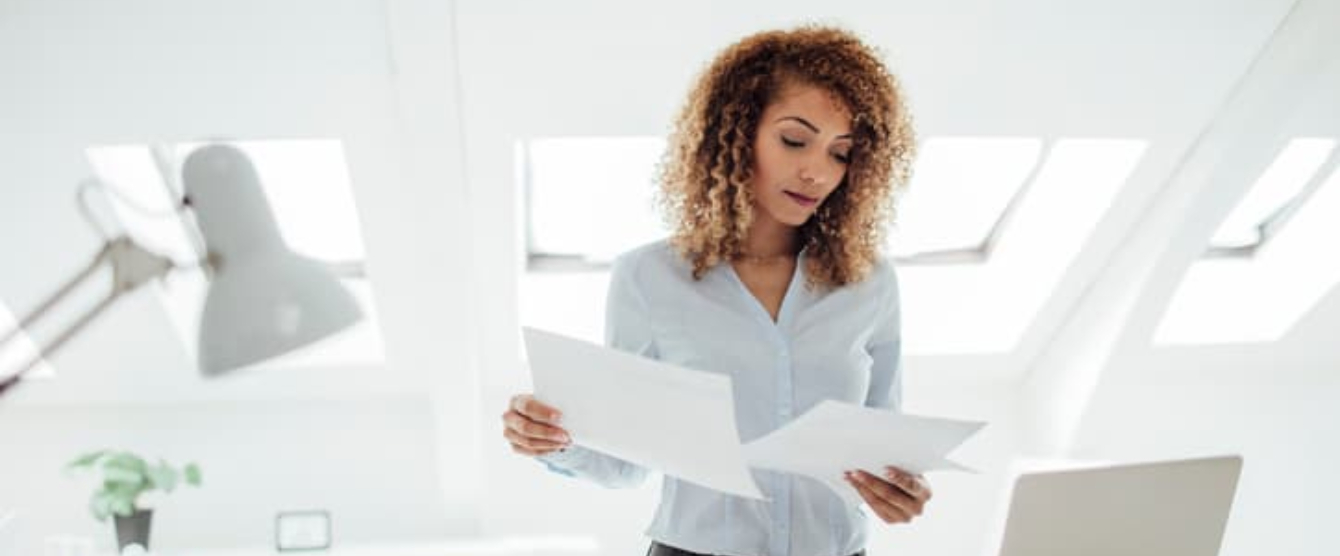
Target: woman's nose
817, 173
807, 178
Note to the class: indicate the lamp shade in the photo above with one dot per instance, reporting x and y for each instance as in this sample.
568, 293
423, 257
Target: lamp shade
264, 300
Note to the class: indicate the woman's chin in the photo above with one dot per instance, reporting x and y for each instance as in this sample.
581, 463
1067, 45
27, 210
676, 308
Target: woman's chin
798, 220
793, 217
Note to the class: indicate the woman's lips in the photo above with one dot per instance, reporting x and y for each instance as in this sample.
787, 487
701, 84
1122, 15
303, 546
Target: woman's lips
801, 200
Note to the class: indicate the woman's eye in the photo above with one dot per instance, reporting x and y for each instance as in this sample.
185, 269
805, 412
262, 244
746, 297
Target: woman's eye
792, 142
842, 157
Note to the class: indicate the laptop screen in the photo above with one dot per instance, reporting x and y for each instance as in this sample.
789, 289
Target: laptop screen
1172, 508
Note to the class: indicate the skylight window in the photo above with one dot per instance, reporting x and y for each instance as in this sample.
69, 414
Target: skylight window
987, 308
590, 198
960, 194
1259, 298
310, 194
143, 202
1280, 189
1019, 208
952, 207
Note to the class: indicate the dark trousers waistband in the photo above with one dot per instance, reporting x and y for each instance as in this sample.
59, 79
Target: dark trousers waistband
658, 549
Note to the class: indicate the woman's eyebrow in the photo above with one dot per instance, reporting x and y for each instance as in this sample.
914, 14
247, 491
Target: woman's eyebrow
812, 127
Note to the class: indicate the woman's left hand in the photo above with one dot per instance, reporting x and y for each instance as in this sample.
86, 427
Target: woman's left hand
897, 497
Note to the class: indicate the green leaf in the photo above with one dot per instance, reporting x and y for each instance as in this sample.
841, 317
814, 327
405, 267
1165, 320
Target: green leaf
124, 489
125, 476
163, 477
127, 461
101, 505
122, 475
122, 506
86, 460
193, 474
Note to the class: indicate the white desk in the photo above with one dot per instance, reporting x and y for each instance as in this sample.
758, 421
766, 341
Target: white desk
521, 546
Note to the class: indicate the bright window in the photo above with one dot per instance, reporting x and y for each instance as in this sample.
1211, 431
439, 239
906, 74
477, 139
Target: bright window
143, 201
960, 193
1282, 186
1260, 296
590, 198
1025, 206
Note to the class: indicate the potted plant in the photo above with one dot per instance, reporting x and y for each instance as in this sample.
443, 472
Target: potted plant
126, 476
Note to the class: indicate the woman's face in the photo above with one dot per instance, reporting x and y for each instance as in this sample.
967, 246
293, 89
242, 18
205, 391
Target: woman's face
800, 153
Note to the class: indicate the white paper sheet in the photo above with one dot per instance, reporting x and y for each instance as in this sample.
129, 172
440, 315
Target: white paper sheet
834, 437
677, 421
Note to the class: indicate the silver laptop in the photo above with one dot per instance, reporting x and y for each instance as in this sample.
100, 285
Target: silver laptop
9, 543
1174, 508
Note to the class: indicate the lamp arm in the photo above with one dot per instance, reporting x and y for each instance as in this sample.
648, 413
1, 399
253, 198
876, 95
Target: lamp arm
132, 267
51, 301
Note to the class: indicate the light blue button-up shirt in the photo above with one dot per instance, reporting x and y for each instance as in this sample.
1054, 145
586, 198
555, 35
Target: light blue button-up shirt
840, 344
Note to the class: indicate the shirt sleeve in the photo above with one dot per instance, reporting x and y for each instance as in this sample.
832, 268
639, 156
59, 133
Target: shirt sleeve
885, 347
627, 328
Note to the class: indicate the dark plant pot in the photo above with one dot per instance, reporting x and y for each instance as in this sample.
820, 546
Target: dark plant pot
133, 529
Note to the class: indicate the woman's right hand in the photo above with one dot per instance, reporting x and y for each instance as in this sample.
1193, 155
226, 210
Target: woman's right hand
532, 427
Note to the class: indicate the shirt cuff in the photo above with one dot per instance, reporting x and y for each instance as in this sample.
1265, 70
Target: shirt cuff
562, 461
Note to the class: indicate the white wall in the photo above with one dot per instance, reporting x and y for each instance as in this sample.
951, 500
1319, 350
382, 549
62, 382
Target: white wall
370, 463
1281, 416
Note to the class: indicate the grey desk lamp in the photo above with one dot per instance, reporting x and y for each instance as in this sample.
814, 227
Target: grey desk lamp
264, 300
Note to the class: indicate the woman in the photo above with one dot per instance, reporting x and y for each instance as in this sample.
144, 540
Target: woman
779, 177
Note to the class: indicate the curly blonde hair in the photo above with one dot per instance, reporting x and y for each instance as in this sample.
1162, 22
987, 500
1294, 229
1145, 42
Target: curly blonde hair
708, 162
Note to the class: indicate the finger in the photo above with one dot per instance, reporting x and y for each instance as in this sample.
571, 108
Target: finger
891, 494
886, 512
914, 485
527, 405
869, 497
889, 491
520, 440
521, 424
525, 425
532, 451
529, 451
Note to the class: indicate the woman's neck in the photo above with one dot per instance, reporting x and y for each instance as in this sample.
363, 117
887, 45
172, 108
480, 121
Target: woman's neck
769, 239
